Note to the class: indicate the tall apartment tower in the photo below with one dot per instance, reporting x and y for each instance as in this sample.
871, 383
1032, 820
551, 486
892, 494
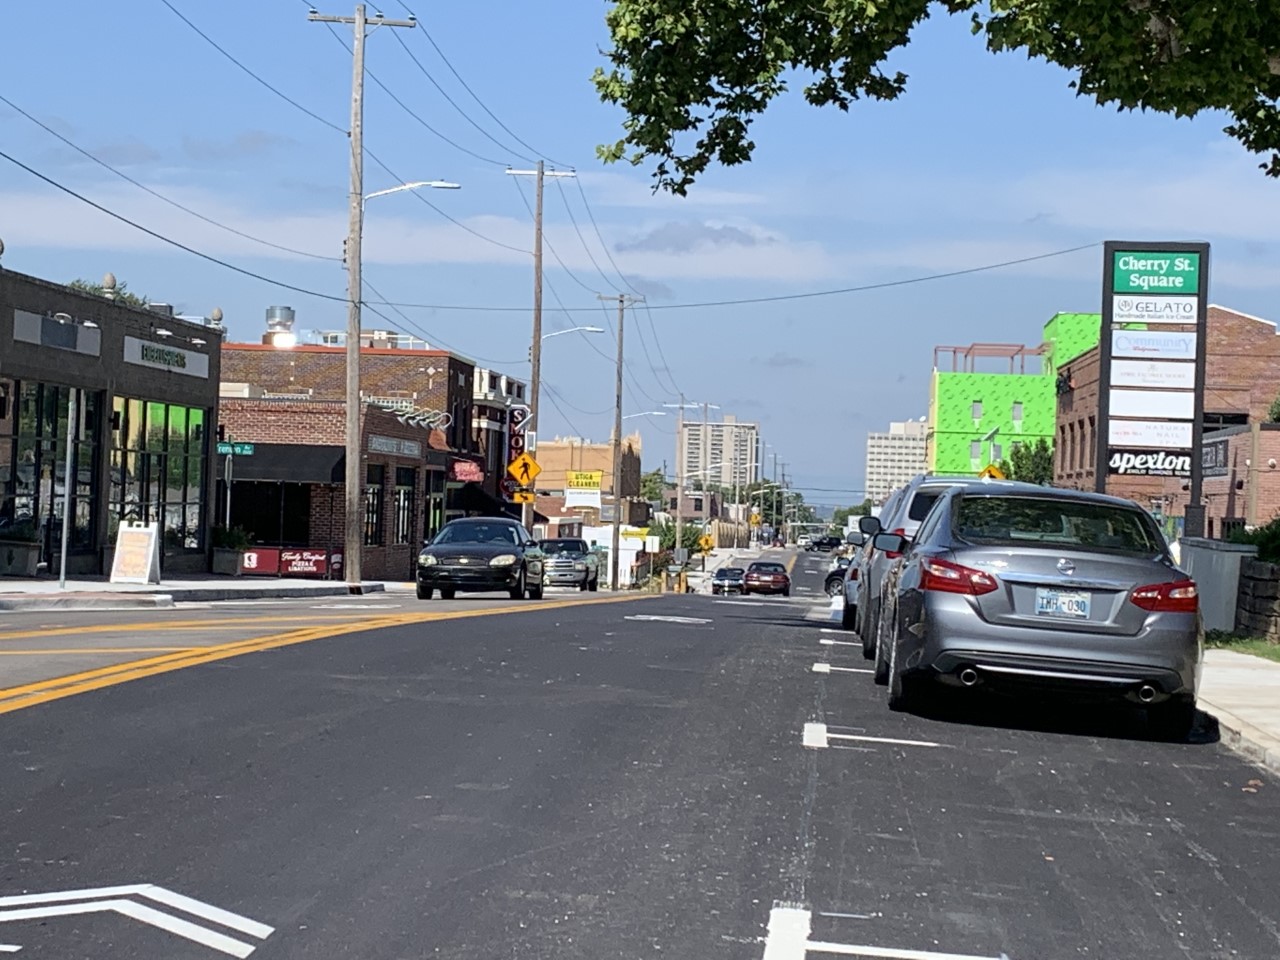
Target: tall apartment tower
895, 457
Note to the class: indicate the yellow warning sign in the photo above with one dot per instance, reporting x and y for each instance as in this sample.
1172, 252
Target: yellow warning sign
991, 472
524, 496
524, 469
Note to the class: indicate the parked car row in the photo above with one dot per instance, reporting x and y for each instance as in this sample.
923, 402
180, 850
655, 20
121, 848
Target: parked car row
981, 583
761, 576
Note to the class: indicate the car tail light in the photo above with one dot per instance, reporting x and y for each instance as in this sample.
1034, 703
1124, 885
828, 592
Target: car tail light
1180, 596
942, 576
893, 554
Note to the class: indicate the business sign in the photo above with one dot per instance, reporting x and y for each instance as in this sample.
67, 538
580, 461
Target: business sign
137, 554
1214, 460
582, 488
395, 447
1153, 344
1128, 309
1163, 463
1149, 404
1150, 434
1152, 373
260, 562
1156, 271
160, 356
60, 331
466, 471
304, 563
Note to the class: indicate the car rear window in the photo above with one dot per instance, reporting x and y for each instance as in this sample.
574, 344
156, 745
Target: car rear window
1054, 521
768, 568
554, 547
922, 503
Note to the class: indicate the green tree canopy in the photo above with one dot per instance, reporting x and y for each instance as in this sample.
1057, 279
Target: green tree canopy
692, 75
122, 294
651, 485
842, 514
1030, 463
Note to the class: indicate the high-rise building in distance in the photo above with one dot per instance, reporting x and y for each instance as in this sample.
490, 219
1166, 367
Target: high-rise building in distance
895, 457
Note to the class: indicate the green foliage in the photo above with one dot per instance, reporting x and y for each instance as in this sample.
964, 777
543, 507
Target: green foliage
1266, 538
1257, 646
666, 534
840, 517
122, 294
651, 486
236, 538
1030, 463
1273, 414
692, 75
21, 531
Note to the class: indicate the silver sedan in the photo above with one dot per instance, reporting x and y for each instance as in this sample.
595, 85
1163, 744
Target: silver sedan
1027, 586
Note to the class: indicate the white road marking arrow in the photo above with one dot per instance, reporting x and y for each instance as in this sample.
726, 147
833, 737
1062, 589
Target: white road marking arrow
110, 899
649, 617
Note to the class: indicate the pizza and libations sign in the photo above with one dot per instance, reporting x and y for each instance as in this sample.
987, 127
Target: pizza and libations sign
1152, 364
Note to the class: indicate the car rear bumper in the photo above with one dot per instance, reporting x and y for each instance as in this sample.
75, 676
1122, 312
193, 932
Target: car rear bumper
766, 588
1155, 665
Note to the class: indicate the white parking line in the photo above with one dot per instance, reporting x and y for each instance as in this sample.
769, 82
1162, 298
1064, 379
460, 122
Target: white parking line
828, 668
827, 641
788, 939
817, 737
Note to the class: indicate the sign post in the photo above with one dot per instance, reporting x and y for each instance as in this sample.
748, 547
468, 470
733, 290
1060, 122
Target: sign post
1151, 370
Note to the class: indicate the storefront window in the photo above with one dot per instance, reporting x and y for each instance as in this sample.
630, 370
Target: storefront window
375, 478
158, 470
33, 463
406, 486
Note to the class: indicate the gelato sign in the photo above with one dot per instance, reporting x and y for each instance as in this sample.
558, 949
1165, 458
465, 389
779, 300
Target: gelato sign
1129, 309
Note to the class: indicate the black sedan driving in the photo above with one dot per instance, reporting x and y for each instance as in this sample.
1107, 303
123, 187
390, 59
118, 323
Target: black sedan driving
475, 554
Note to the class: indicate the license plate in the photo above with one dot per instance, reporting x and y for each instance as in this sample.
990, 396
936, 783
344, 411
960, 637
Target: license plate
1062, 603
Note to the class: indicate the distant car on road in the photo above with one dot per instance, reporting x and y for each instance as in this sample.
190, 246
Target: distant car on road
824, 543
478, 554
729, 580
571, 562
804, 541
1009, 585
765, 577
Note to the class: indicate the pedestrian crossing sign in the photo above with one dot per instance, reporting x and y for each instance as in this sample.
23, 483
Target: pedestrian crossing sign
524, 469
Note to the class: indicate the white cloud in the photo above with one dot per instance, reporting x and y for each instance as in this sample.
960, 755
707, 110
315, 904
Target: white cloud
47, 219
620, 190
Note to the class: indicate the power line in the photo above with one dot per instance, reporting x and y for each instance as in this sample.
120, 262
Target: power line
410, 111
457, 76
563, 266
465, 116
581, 239
161, 237
430, 337
560, 394
657, 341
283, 96
555, 403
155, 193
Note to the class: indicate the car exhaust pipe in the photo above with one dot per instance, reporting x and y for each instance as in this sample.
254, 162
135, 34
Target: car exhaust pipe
968, 676
1146, 693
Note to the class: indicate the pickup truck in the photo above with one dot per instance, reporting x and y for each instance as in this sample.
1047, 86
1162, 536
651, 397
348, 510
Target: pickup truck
570, 563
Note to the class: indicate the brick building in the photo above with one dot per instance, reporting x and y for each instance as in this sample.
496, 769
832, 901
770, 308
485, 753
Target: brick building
1242, 378
433, 384
289, 492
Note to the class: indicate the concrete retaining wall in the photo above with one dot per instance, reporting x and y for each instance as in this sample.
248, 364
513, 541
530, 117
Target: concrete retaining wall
1258, 607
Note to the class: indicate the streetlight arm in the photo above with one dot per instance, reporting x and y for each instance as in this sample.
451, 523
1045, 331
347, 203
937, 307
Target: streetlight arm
416, 184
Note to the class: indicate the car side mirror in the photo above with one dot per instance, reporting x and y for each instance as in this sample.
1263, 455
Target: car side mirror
869, 526
891, 542
855, 538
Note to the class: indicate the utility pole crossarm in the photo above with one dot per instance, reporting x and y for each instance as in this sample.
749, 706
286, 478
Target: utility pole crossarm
377, 20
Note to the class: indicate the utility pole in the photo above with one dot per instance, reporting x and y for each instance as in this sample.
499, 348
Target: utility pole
680, 476
354, 526
623, 299
540, 174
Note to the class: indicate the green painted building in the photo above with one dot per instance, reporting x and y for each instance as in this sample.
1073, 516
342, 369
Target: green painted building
977, 417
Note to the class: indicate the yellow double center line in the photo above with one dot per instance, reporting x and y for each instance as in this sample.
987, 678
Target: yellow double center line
43, 691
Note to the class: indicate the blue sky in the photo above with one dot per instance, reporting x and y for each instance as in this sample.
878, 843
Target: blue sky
984, 159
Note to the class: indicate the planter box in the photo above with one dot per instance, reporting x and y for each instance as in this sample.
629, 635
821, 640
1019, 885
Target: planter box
226, 563
19, 558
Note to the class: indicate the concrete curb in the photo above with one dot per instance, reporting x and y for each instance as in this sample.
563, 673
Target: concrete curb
111, 600
1249, 741
87, 601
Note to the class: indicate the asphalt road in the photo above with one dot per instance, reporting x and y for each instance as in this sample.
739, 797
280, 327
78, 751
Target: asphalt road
591, 782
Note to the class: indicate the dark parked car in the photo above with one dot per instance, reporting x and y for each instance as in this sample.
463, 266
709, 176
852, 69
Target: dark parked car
824, 544
729, 580
481, 553
1013, 585
834, 584
763, 577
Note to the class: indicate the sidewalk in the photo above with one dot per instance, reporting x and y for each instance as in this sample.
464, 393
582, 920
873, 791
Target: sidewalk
1243, 693
96, 593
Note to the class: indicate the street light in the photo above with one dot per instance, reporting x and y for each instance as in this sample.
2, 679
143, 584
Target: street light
647, 413
415, 185
548, 336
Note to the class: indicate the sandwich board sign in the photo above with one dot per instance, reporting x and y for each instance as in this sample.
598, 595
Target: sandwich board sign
137, 556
